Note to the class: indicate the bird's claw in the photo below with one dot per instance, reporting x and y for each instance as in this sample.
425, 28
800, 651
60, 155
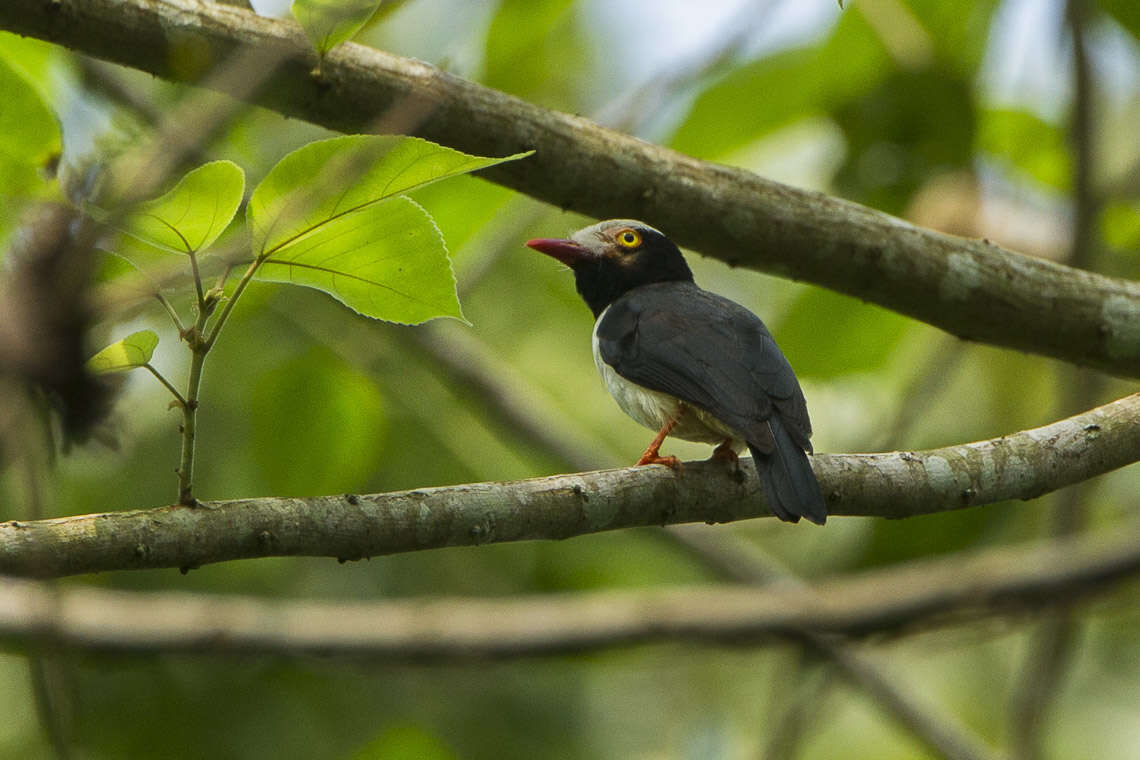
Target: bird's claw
725, 453
672, 462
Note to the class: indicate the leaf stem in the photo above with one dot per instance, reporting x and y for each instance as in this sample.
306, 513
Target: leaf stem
229, 307
200, 346
225, 275
189, 414
170, 310
197, 281
178, 396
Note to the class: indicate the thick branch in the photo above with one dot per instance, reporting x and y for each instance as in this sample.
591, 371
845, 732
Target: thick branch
902, 484
967, 287
950, 590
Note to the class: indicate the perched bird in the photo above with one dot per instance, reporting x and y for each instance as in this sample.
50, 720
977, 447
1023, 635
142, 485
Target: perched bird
689, 363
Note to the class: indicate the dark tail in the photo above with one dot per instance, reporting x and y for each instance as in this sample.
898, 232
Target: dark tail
789, 483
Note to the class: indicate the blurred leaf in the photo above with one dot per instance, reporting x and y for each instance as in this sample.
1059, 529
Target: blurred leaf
770, 93
317, 426
958, 31
331, 178
1027, 143
132, 351
405, 742
1120, 223
916, 124
860, 337
189, 218
535, 47
387, 262
28, 128
29, 143
328, 23
31, 58
1126, 13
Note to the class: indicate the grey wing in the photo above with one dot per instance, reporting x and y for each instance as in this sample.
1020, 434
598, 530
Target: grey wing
709, 352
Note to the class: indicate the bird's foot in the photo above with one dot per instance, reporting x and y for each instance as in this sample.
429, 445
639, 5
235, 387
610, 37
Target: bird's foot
672, 462
652, 454
725, 453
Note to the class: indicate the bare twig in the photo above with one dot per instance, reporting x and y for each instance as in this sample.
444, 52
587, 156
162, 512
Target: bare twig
933, 592
970, 288
1019, 466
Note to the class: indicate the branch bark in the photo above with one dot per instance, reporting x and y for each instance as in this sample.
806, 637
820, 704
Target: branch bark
970, 288
932, 592
901, 484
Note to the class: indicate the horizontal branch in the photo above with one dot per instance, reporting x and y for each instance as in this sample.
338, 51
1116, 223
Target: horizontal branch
969, 288
902, 484
949, 590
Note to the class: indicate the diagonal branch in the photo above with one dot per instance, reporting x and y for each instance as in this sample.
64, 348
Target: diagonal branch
951, 590
970, 288
902, 484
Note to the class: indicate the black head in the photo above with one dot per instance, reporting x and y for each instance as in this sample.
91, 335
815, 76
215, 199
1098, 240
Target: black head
612, 257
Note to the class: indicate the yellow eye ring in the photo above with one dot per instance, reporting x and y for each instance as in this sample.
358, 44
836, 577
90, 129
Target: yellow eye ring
628, 238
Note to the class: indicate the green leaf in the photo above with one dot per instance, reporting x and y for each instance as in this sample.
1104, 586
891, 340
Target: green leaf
132, 351
331, 216
190, 217
387, 261
330, 178
328, 23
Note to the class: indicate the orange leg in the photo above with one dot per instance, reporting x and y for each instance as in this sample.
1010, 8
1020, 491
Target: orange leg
652, 455
725, 452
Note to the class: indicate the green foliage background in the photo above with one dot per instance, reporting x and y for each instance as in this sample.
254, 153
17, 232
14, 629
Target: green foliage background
883, 103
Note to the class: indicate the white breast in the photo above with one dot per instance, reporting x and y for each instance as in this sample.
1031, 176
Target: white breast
653, 408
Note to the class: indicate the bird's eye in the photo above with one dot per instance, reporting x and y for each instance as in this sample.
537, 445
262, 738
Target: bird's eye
629, 239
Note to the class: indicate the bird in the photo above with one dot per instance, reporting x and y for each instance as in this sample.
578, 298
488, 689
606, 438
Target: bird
685, 362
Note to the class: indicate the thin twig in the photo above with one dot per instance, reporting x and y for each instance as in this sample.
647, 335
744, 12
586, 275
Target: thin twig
166, 383
170, 312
